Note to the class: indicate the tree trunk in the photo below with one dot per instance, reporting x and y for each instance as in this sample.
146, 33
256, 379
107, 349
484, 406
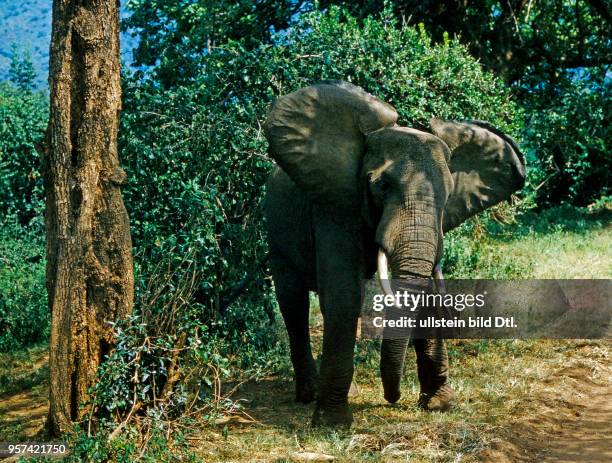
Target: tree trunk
89, 261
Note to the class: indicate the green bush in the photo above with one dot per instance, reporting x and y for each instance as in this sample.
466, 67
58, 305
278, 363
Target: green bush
471, 252
569, 143
24, 315
163, 379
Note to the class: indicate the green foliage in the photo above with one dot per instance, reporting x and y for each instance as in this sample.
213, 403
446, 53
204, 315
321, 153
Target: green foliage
174, 34
570, 142
149, 346
125, 449
507, 35
23, 118
470, 252
24, 316
163, 380
485, 248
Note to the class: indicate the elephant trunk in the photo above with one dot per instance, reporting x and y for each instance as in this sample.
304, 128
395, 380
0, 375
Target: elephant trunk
413, 257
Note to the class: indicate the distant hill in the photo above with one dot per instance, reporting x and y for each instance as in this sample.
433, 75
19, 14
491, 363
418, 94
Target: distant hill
27, 23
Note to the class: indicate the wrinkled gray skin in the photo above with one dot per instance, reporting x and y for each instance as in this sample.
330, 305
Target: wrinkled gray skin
324, 236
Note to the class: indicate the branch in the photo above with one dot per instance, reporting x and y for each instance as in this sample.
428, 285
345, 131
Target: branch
236, 291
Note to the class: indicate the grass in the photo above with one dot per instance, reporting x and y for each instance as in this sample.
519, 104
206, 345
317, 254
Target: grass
563, 242
497, 382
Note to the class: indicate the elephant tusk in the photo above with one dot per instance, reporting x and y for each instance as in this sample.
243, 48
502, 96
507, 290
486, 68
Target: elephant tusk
383, 273
438, 277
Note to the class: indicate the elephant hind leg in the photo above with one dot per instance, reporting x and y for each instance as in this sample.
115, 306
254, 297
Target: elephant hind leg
292, 297
432, 369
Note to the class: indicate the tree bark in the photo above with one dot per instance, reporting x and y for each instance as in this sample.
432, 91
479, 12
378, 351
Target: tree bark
89, 261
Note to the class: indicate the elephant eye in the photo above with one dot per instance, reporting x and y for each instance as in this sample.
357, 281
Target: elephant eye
382, 186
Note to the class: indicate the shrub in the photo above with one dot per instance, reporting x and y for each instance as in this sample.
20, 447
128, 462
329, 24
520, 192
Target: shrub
23, 118
24, 316
569, 143
163, 381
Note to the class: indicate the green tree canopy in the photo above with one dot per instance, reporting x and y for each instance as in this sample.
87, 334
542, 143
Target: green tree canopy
549, 51
523, 41
175, 34
21, 71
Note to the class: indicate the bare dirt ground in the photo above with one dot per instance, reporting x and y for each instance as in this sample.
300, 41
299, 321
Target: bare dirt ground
24, 408
571, 418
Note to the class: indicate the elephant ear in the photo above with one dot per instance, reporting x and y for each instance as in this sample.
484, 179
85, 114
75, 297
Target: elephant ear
317, 135
486, 165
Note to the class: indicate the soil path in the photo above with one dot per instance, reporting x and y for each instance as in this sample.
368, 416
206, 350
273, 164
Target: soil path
588, 438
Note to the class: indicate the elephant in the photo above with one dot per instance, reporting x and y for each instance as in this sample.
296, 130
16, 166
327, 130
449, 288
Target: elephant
354, 192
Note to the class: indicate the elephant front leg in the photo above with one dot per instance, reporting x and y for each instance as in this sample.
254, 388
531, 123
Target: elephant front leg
340, 268
336, 372
392, 355
432, 369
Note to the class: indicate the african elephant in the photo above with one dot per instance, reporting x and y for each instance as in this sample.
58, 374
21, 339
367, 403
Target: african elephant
354, 190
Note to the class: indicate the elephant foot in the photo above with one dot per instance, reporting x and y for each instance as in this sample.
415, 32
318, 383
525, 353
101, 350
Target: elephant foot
305, 391
391, 388
336, 417
441, 400
393, 395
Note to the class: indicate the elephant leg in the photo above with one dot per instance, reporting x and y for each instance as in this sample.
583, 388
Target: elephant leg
336, 372
339, 272
432, 369
292, 298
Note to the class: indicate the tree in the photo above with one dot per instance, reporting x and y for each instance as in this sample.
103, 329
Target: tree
89, 261
175, 33
517, 39
21, 71
24, 115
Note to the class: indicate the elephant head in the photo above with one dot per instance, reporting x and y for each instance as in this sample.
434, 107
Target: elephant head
342, 147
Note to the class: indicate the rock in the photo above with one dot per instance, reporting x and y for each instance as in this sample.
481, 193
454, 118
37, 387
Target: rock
358, 440
395, 450
310, 456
